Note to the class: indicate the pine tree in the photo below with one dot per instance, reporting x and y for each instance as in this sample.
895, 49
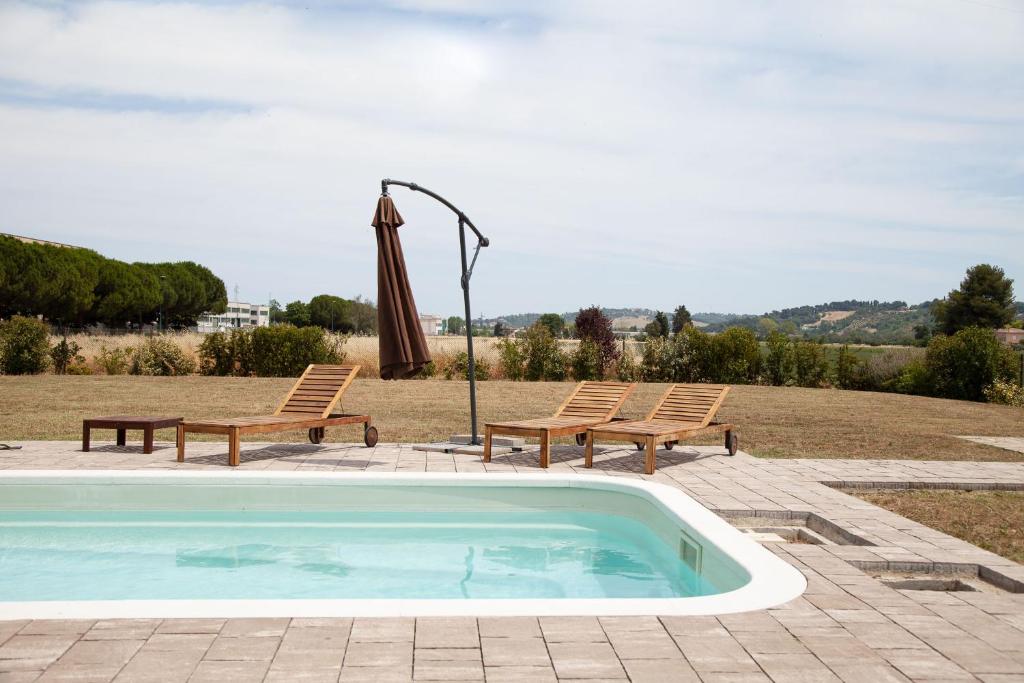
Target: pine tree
680, 319
985, 299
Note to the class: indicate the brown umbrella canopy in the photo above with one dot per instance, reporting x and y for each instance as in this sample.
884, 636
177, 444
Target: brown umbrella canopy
403, 348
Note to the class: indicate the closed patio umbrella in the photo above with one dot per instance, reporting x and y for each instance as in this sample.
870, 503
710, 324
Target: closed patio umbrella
391, 286
403, 348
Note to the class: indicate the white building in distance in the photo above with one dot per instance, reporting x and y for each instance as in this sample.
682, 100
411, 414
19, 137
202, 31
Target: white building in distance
431, 325
238, 315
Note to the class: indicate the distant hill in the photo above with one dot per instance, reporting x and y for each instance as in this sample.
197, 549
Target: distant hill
864, 322
712, 318
518, 320
851, 321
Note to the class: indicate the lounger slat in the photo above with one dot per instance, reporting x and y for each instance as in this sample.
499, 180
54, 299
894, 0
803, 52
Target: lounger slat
595, 405
596, 399
688, 402
318, 390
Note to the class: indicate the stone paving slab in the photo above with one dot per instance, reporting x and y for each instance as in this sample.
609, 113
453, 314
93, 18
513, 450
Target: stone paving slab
848, 626
1010, 443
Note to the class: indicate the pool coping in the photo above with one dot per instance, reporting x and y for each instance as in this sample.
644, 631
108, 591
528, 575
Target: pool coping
773, 581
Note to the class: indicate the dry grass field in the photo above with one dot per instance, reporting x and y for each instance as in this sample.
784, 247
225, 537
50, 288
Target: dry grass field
772, 421
993, 520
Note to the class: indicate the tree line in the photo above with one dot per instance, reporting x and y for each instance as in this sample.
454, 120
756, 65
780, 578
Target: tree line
329, 312
77, 287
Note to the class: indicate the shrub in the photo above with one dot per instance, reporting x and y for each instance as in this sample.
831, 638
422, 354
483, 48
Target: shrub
459, 367
227, 353
912, 378
161, 356
809, 365
586, 361
591, 323
737, 356
24, 346
1005, 392
278, 351
890, 371
510, 355
544, 360
658, 361
694, 356
215, 356
64, 354
285, 351
115, 361
79, 367
846, 368
963, 365
778, 359
429, 371
627, 369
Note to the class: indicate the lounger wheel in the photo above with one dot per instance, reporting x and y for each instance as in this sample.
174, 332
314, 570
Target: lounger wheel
316, 434
370, 437
732, 443
639, 445
670, 444
581, 439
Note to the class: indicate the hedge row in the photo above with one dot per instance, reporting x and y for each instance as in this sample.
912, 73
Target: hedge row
25, 350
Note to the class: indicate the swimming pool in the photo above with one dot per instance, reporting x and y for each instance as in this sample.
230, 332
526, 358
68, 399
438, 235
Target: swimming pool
134, 544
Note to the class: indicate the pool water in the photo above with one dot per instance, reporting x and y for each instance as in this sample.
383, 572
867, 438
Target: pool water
293, 554
184, 544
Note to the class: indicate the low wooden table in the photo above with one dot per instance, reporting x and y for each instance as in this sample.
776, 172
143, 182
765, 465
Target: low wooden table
122, 423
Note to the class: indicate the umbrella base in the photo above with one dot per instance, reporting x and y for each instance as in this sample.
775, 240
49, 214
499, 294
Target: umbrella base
459, 448
514, 442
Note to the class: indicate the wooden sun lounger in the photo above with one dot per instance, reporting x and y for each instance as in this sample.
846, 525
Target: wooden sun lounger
307, 406
685, 411
592, 403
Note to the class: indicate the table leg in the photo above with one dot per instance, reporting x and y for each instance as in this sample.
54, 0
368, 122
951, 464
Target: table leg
181, 442
147, 439
85, 436
121, 437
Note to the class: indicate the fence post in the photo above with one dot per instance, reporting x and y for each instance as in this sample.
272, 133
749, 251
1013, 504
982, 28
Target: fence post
1022, 369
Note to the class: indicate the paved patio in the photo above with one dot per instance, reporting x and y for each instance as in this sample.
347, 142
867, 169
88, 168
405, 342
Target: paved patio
848, 626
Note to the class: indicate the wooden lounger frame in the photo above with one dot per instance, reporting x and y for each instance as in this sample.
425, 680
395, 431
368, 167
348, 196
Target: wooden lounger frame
684, 411
591, 403
307, 406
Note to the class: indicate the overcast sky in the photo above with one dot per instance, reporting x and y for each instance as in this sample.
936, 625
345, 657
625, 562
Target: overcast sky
732, 156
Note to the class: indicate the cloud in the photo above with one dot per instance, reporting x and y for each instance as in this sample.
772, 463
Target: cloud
724, 155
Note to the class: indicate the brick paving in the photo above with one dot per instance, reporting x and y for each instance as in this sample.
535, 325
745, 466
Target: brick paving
848, 626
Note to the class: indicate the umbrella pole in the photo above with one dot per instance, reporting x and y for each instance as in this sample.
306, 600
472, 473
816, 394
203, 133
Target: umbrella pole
467, 273
474, 439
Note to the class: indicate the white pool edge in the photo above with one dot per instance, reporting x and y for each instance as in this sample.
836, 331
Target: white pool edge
773, 581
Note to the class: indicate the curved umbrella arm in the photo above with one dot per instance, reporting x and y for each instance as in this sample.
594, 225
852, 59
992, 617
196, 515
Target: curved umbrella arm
463, 218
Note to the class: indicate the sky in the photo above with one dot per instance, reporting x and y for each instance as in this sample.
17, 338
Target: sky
732, 156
